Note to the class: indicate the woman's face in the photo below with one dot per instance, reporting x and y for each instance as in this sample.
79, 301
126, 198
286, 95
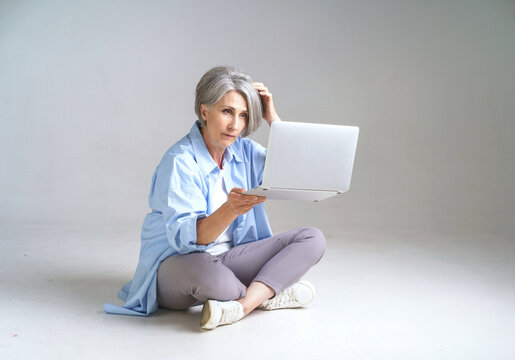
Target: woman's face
225, 120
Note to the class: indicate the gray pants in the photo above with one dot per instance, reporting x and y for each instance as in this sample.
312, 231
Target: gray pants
192, 279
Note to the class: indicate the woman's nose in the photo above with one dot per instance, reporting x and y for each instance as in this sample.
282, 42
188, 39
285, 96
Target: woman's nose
234, 122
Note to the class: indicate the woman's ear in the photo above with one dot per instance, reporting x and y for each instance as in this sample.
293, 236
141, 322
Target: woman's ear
203, 111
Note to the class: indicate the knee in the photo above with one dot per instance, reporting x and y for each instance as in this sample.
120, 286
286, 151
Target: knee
316, 239
221, 288
209, 279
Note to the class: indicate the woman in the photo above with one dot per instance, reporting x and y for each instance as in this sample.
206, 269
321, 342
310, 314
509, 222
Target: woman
205, 242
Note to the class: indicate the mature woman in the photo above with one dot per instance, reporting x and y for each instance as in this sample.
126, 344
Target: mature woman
205, 242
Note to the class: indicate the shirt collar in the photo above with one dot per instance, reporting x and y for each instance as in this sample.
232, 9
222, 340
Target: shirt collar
204, 159
231, 153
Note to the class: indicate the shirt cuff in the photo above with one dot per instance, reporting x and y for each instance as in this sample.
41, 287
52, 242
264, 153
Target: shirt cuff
185, 240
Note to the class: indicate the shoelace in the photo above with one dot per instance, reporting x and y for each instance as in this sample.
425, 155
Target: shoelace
286, 297
229, 314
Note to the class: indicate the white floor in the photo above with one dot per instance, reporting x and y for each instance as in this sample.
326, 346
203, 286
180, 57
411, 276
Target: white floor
382, 294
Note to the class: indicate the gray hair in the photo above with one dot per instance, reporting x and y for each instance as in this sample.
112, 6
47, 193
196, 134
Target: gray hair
222, 79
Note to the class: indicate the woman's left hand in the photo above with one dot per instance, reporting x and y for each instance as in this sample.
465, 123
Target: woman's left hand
270, 115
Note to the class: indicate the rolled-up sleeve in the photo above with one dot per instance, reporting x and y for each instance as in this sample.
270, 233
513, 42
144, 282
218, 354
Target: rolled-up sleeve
181, 202
181, 215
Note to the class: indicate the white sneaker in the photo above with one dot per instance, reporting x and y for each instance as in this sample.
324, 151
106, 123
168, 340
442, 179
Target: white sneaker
299, 294
216, 313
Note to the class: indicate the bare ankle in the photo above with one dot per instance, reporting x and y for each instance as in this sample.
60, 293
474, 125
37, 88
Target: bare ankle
244, 306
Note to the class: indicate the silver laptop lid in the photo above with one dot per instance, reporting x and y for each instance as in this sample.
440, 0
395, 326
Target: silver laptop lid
319, 156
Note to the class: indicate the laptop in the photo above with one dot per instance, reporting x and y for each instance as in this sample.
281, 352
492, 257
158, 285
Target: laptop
309, 162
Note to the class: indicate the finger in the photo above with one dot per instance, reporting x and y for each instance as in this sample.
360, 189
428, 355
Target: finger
259, 201
260, 87
251, 201
244, 208
265, 93
248, 202
237, 190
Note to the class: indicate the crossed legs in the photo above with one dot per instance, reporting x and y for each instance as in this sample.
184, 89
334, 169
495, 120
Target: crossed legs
249, 273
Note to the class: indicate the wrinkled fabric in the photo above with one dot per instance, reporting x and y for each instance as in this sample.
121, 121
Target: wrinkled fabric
178, 198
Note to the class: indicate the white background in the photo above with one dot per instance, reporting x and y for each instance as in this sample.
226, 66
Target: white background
92, 93
419, 263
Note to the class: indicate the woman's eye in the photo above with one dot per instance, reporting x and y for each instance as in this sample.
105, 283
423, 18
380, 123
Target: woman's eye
244, 116
227, 111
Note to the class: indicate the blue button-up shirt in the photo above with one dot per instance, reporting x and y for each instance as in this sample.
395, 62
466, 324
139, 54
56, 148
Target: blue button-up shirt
178, 198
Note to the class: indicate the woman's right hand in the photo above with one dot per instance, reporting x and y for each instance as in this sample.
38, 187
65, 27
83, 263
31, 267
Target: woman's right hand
269, 114
240, 203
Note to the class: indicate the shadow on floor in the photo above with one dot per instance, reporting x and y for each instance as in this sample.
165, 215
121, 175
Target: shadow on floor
88, 292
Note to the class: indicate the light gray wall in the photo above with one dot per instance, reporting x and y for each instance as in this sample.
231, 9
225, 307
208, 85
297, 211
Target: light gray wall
93, 92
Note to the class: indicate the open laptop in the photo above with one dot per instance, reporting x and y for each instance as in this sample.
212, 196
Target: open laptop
305, 161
